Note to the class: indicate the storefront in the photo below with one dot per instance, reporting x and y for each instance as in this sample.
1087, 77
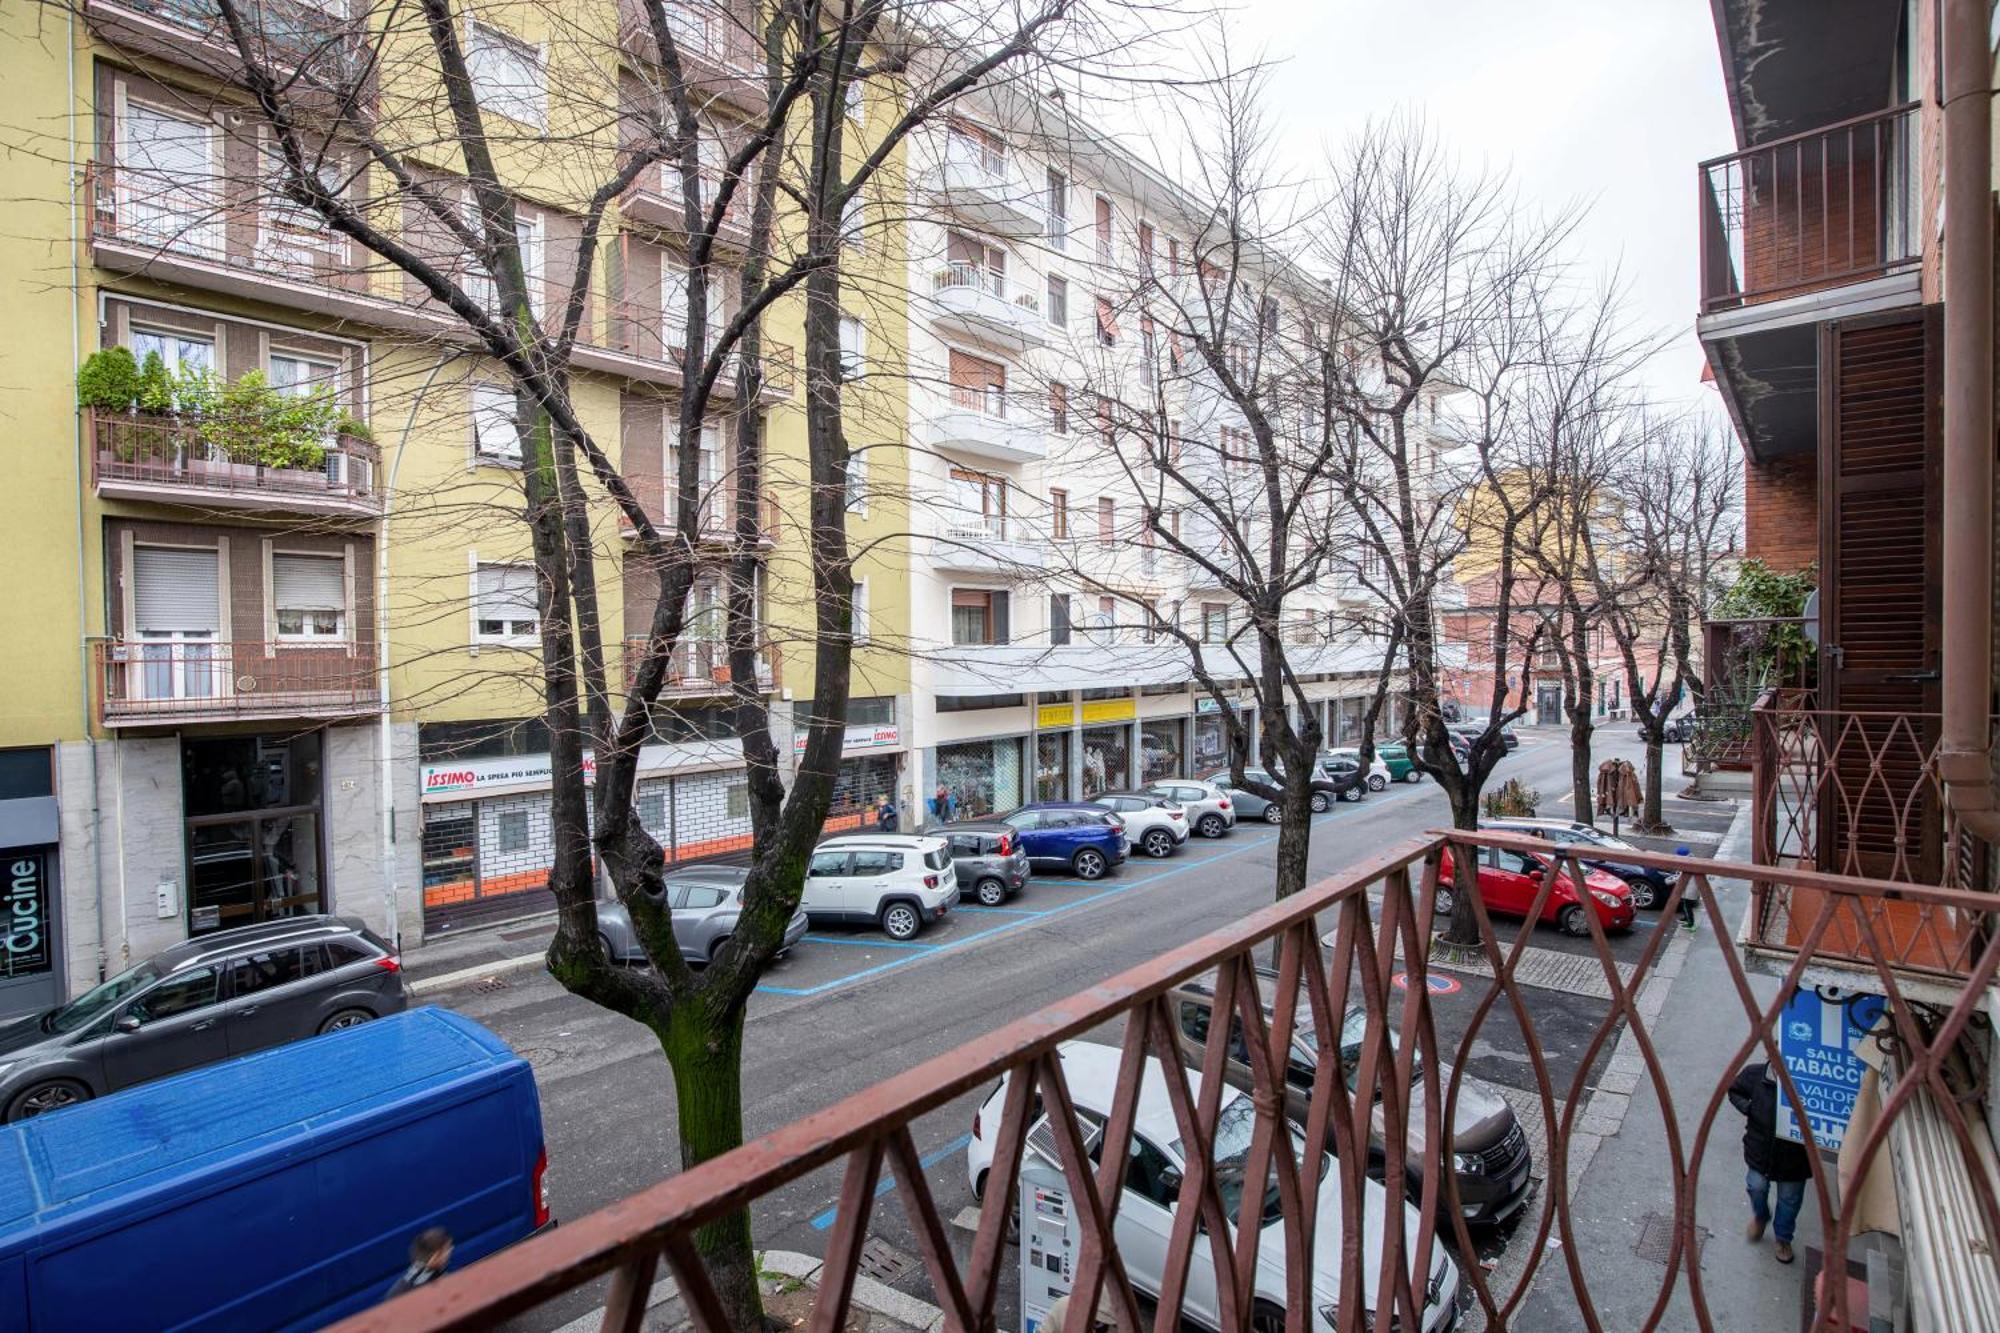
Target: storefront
253, 827
1052, 766
983, 777
1162, 749
29, 976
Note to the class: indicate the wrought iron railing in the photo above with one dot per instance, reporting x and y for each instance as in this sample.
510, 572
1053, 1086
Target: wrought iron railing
188, 678
1358, 997
699, 666
144, 451
1831, 206
1742, 660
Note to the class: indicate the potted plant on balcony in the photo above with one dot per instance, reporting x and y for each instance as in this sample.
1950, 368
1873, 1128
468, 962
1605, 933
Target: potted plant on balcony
107, 386
254, 430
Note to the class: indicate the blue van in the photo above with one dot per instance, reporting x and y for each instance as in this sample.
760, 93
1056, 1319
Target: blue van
277, 1191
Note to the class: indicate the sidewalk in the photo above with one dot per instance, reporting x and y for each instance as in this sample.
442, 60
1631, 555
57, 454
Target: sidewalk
1622, 1207
455, 958
790, 1284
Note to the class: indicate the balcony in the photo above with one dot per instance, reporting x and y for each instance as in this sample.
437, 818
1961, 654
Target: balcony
699, 668
982, 545
989, 423
318, 45
984, 188
973, 301
720, 56
1336, 993
164, 460
187, 679
1743, 660
655, 200
716, 527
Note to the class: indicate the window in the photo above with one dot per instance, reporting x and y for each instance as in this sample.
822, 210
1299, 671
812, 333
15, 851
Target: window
1107, 323
302, 377
178, 995
1107, 617
1107, 427
1267, 314
736, 800
1059, 515
1107, 519
1058, 209
181, 353
978, 503
1214, 622
166, 179
700, 897
708, 468
651, 807
1106, 241
479, 284
827, 865
510, 831
1146, 247
857, 483
853, 348
970, 262
1059, 622
274, 967
1173, 255
978, 616
856, 104
496, 436
1237, 455
506, 601
858, 626
875, 863
977, 385
1058, 302
1059, 409
853, 222
506, 75
674, 300
309, 593
1148, 356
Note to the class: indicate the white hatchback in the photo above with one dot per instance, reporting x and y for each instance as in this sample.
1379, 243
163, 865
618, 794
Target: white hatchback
901, 882
1152, 1184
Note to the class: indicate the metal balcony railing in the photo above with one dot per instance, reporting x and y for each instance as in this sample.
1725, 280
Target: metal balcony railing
153, 455
1813, 210
1742, 660
699, 666
321, 42
1350, 989
190, 678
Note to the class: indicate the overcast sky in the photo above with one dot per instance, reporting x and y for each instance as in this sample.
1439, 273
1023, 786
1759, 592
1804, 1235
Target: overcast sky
1610, 104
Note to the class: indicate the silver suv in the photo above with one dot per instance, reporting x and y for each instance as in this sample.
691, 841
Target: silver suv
902, 882
1210, 811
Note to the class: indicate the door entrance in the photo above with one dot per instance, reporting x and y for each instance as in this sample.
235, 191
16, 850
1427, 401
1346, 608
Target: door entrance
253, 829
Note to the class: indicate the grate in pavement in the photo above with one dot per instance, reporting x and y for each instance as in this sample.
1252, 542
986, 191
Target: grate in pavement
487, 985
884, 1263
1656, 1238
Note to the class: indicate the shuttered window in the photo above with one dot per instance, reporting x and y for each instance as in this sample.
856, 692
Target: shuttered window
309, 593
176, 591
506, 602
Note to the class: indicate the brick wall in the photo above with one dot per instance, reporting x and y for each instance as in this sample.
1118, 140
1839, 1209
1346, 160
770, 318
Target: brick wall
1781, 511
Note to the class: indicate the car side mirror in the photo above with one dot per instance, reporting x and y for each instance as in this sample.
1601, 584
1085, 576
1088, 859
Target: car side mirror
1170, 1180
125, 1023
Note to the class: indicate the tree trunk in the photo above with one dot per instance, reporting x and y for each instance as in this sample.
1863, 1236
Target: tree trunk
1650, 818
1294, 838
1462, 930
1582, 793
705, 1050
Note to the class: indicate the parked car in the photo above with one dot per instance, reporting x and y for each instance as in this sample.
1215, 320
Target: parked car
1379, 776
1151, 1188
1086, 840
1598, 851
705, 904
1210, 811
988, 859
1674, 731
279, 1191
1402, 768
215, 996
1327, 787
1153, 824
1491, 1158
1509, 881
1471, 732
901, 881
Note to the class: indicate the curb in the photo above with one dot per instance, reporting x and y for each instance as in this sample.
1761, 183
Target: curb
446, 980
875, 1297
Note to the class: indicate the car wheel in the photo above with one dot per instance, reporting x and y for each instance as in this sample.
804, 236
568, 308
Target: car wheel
1089, 864
1321, 803
610, 953
346, 1018
1273, 814
1266, 1318
45, 1097
990, 892
1158, 843
1376, 782
901, 922
1573, 921
1413, 776
1645, 894
1447, 900
1353, 793
716, 948
1211, 826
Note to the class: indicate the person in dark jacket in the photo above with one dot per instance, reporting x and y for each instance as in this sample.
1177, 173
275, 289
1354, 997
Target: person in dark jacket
429, 1253
1772, 1161
885, 814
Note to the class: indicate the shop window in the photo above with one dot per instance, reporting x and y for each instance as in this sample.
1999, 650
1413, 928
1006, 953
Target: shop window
968, 703
28, 772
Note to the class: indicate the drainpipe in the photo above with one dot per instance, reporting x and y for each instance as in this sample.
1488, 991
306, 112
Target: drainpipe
385, 787
1963, 760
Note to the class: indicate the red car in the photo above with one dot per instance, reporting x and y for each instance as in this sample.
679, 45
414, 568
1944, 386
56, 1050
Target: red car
1509, 881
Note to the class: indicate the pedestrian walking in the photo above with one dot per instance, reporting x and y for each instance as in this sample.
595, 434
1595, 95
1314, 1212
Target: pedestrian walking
885, 814
429, 1253
1773, 1163
1688, 896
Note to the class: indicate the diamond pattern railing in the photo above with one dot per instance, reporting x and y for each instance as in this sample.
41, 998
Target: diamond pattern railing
1338, 948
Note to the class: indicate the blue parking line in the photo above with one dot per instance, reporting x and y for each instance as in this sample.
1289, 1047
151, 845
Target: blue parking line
871, 942
1000, 911
888, 1181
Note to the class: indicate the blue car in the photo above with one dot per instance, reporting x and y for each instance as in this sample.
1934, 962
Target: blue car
1084, 839
1597, 851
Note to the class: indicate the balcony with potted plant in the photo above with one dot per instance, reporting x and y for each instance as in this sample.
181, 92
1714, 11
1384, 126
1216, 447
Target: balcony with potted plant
191, 438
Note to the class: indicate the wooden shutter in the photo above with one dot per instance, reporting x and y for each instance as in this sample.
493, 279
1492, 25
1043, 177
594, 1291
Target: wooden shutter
1879, 572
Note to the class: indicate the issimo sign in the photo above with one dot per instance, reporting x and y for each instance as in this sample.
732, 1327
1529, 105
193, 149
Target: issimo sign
26, 911
450, 779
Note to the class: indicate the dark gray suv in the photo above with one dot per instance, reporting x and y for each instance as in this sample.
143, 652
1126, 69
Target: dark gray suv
988, 858
214, 997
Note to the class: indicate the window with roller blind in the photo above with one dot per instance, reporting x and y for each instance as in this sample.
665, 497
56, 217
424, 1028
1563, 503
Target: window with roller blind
176, 593
977, 384
505, 606
309, 595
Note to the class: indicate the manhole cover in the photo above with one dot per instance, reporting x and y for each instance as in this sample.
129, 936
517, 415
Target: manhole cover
487, 985
884, 1263
1656, 1238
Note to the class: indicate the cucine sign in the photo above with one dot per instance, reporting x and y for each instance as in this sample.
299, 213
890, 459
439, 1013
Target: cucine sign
26, 915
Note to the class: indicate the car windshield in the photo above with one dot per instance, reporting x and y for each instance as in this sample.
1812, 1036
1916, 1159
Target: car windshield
104, 995
1233, 1129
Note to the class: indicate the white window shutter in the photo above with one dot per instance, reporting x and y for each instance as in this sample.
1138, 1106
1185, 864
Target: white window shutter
176, 591
309, 582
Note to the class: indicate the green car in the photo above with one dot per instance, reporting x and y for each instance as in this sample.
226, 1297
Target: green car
1401, 767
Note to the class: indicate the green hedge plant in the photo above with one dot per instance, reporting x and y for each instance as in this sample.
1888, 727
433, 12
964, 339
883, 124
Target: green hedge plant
108, 380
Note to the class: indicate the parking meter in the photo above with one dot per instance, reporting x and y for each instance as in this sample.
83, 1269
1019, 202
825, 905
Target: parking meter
1050, 1240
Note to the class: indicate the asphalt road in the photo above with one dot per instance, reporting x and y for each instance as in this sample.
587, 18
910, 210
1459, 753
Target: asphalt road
851, 1008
